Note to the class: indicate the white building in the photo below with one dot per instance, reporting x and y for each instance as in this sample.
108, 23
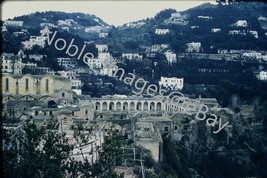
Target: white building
215, 30
68, 74
76, 83
13, 23
36, 57
177, 18
172, 82
67, 62
262, 75
134, 24
47, 24
157, 48
194, 26
204, 17
94, 29
104, 56
67, 22
241, 23
103, 35
193, 47
102, 48
19, 33
3, 28
252, 54
94, 63
162, 31
11, 64
34, 40
131, 56
254, 33
171, 57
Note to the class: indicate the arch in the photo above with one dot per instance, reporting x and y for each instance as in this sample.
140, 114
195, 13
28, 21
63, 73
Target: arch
152, 106
118, 106
104, 106
101, 113
8, 97
26, 97
145, 106
111, 106
44, 97
139, 106
97, 106
132, 106
158, 106
51, 104
125, 106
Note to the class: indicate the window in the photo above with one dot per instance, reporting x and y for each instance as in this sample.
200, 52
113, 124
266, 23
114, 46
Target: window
166, 129
7, 84
46, 85
63, 95
27, 84
86, 111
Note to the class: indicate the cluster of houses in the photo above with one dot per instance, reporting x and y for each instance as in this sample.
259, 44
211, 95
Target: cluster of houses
56, 95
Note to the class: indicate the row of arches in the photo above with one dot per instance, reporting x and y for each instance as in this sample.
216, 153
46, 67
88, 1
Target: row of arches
128, 106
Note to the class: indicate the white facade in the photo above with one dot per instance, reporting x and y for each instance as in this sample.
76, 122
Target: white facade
36, 57
28, 65
47, 24
76, 83
13, 23
162, 31
215, 30
262, 75
102, 48
104, 56
11, 64
171, 57
157, 48
131, 56
193, 47
94, 29
19, 33
237, 32
241, 23
67, 62
204, 17
135, 24
67, 22
254, 33
172, 82
34, 40
68, 74
177, 18
94, 63
103, 35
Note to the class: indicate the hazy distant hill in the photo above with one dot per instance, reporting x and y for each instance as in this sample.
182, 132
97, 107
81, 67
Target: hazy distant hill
198, 28
35, 19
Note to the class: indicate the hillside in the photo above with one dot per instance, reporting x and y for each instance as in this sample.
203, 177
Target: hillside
198, 28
